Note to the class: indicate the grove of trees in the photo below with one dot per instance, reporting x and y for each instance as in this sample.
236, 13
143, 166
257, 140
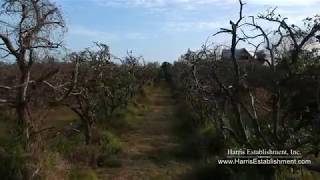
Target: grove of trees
90, 83
271, 102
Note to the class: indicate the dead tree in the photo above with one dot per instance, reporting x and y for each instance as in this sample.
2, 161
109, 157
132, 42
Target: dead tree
261, 108
90, 87
299, 36
27, 27
271, 48
87, 86
234, 94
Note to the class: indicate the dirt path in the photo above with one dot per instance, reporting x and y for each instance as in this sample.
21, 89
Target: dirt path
151, 144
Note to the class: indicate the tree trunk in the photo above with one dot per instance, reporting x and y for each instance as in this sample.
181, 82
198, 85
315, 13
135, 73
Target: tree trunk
88, 130
88, 134
23, 116
24, 121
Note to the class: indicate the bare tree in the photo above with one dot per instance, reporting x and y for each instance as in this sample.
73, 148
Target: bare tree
88, 87
271, 48
27, 27
234, 32
299, 36
273, 106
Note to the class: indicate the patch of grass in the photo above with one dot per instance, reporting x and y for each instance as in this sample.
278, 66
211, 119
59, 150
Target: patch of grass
12, 155
142, 96
186, 130
12, 158
82, 174
132, 114
53, 166
122, 120
110, 144
85, 155
66, 145
126, 118
110, 147
184, 122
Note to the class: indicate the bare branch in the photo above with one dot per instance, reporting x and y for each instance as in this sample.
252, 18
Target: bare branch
9, 45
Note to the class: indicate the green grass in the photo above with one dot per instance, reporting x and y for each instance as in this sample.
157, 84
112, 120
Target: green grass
129, 117
82, 174
66, 145
110, 144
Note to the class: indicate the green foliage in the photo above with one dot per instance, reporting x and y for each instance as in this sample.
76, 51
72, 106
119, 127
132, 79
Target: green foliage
110, 144
13, 157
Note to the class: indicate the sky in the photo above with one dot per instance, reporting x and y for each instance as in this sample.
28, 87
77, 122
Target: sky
162, 30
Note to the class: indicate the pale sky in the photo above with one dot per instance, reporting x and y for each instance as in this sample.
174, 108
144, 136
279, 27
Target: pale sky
162, 30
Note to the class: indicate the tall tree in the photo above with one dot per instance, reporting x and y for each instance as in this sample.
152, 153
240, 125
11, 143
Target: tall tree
27, 27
